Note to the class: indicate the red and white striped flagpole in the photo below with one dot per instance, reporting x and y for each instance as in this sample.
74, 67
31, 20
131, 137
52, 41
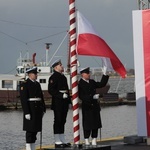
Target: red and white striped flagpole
74, 79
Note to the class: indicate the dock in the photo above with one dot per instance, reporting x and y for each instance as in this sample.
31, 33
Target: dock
116, 143
109, 99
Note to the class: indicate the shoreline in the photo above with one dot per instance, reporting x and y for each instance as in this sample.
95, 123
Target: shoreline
103, 103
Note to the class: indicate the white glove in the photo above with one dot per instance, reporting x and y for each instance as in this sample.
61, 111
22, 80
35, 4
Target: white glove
96, 96
104, 70
28, 116
65, 96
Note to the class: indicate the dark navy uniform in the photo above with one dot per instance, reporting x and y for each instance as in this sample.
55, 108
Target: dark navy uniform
32, 103
91, 119
57, 87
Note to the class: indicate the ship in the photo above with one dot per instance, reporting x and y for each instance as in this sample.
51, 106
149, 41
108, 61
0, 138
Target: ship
10, 83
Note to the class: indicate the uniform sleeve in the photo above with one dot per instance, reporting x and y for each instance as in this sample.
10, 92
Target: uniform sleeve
103, 82
24, 98
42, 97
52, 88
84, 95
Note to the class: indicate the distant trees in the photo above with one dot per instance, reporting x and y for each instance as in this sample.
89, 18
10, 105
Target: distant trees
131, 72
98, 72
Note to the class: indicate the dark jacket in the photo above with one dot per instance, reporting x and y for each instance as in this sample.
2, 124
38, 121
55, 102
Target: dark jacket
57, 83
90, 107
30, 89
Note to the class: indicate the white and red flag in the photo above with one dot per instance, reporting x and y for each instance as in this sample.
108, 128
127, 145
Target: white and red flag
90, 43
141, 38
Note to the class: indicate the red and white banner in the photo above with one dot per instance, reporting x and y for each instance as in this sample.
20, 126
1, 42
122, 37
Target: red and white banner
141, 38
90, 43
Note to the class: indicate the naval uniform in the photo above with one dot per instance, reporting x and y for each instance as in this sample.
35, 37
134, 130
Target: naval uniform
57, 87
32, 103
91, 119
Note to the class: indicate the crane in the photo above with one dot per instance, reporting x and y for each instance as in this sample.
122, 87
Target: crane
143, 4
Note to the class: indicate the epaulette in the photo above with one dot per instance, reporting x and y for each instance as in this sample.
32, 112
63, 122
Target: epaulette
24, 81
22, 85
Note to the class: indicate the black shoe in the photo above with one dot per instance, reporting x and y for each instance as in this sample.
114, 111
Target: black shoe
67, 144
59, 145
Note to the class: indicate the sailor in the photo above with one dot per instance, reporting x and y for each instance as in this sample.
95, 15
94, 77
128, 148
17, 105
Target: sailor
58, 89
91, 119
33, 107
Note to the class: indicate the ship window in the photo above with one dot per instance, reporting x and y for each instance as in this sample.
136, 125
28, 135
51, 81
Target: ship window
22, 70
7, 83
27, 69
42, 80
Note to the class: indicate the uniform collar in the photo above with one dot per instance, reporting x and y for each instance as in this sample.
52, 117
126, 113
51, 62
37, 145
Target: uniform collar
85, 80
58, 72
32, 80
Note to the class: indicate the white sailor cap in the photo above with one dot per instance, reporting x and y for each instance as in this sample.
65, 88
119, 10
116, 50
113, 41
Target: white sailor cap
85, 70
57, 62
32, 70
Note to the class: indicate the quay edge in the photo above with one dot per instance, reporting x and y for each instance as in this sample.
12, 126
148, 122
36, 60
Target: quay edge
116, 143
103, 103
100, 142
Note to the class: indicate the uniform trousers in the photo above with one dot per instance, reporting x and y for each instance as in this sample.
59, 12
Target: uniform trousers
59, 121
31, 137
93, 133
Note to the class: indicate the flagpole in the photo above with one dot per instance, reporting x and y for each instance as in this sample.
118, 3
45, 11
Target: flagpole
74, 80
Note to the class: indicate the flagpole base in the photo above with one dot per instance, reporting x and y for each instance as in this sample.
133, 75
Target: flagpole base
77, 146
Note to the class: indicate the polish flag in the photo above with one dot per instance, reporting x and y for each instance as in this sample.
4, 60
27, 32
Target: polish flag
89, 43
141, 39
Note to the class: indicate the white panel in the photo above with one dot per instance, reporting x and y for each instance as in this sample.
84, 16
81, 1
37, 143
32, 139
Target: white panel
139, 73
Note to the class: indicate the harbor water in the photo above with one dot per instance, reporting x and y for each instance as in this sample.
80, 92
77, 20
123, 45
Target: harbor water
116, 120
119, 85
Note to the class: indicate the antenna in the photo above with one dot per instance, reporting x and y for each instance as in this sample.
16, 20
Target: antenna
143, 4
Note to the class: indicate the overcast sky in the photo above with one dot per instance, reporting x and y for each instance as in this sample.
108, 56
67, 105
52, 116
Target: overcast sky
26, 25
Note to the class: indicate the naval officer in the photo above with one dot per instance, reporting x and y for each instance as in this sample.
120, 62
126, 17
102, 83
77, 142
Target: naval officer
91, 119
58, 89
33, 107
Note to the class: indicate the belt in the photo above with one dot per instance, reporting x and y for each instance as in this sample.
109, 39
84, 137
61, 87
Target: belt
34, 99
63, 91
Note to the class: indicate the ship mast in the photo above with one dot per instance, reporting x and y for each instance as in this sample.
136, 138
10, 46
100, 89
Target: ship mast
143, 4
47, 52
